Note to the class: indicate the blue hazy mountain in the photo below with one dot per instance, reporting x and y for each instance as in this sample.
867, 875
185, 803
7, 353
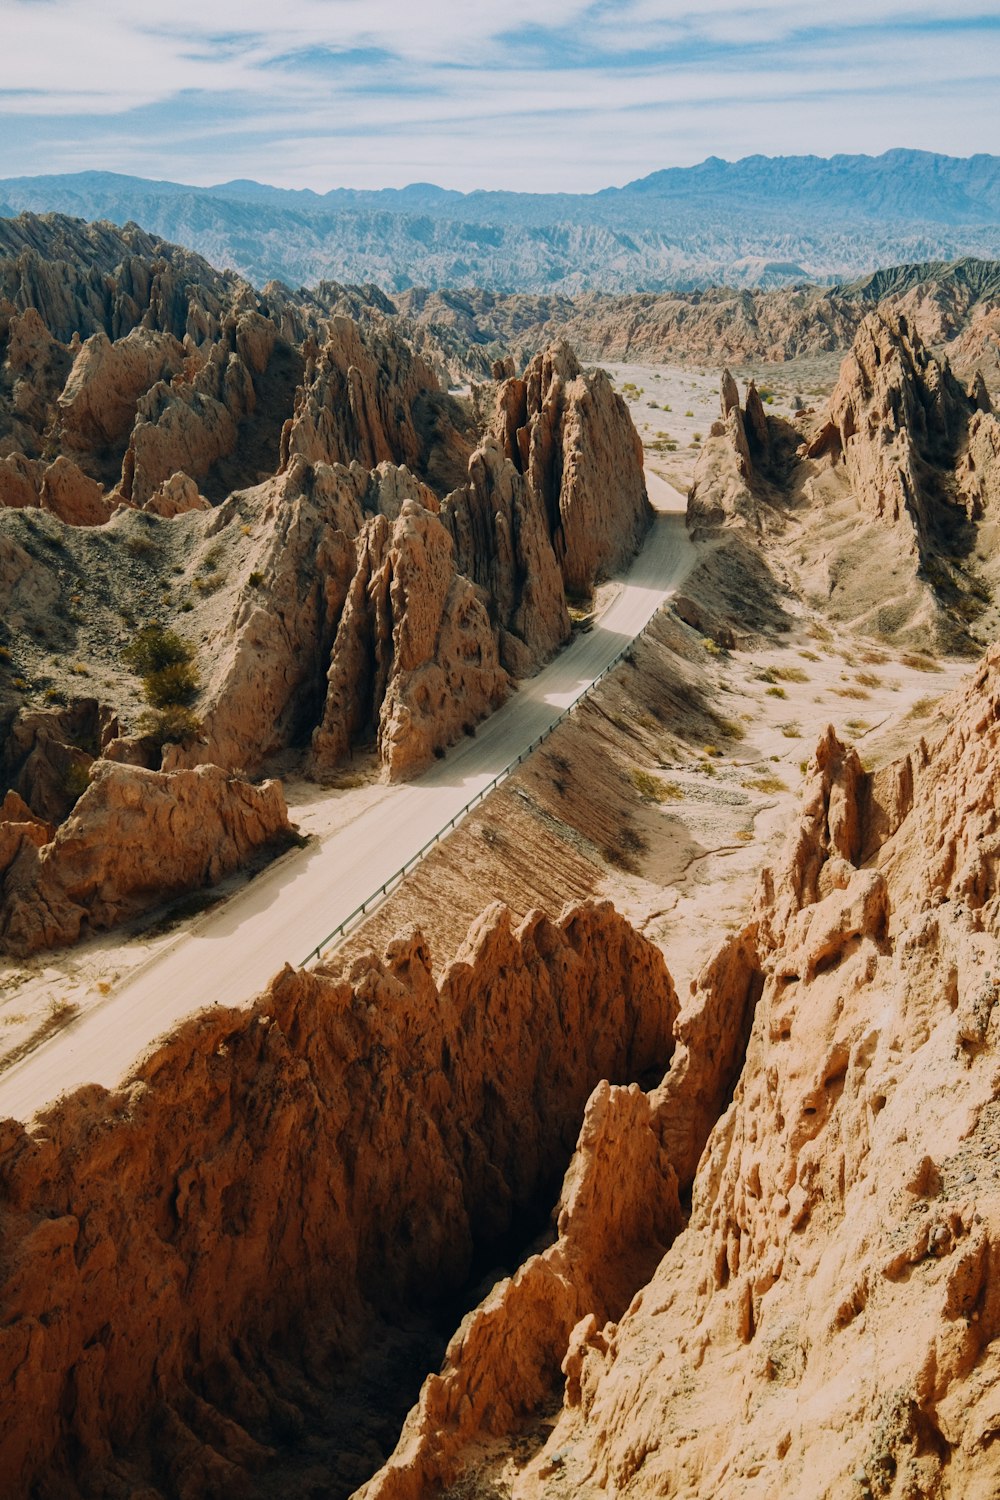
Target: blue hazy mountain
762, 221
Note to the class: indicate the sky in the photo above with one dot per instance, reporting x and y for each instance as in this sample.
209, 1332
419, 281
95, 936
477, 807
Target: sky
535, 95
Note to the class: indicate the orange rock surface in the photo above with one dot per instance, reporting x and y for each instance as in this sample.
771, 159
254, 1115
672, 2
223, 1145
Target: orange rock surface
826, 1323
181, 1260
134, 839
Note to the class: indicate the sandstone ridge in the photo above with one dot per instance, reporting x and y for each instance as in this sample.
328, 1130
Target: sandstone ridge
826, 1322
291, 1180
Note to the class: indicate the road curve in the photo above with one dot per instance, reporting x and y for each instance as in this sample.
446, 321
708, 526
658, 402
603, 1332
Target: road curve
231, 953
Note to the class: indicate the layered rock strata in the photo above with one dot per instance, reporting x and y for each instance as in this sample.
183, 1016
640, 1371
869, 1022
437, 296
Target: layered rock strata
184, 1261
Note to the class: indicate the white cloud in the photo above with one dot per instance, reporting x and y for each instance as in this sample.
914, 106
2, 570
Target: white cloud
442, 91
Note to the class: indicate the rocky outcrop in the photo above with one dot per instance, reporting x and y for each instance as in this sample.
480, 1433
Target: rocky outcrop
733, 467
502, 544
134, 839
47, 753
900, 421
507, 1354
191, 423
291, 549
61, 487
358, 399
415, 657
19, 828
33, 366
175, 497
187, 1263
571, 437
827, 1321
84, 278
98, 403
72, 496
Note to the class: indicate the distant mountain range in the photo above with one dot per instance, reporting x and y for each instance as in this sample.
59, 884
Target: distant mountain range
759, 222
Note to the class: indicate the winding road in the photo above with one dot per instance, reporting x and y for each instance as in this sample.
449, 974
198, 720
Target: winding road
231, 953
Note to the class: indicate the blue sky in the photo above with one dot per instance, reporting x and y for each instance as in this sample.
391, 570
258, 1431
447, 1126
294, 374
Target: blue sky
541, 95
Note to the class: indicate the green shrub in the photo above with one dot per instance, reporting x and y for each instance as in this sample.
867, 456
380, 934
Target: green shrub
172, 686
155, 648
176, 725
163, 661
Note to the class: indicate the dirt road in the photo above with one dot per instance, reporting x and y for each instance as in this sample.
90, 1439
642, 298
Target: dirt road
229, 955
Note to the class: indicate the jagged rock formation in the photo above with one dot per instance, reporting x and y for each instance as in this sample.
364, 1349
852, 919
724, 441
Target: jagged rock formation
175, 497
358, 400
415, 652
291, 1180
897, 482
375, 567
827, 1321
899, 420
502, 543
743, 452
47, 753
184, 409
134, 839
98, 404
569, 434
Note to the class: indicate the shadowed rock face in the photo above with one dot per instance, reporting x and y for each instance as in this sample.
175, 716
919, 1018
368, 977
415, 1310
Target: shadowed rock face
186, 1263
898, 482
831, 1309
502, 544
134, 839
48, 750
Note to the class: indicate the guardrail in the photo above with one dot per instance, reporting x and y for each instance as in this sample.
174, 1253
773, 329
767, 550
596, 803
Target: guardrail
389, 885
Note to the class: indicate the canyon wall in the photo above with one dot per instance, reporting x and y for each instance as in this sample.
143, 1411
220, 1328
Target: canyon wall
185, 1262
826, 1322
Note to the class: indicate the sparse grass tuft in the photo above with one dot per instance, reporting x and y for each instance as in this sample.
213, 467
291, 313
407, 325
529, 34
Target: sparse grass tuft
768, 784
776, 692
651, 788
791, 731
921, 662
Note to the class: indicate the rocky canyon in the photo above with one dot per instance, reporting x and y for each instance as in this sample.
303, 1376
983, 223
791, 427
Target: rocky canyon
635, 727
